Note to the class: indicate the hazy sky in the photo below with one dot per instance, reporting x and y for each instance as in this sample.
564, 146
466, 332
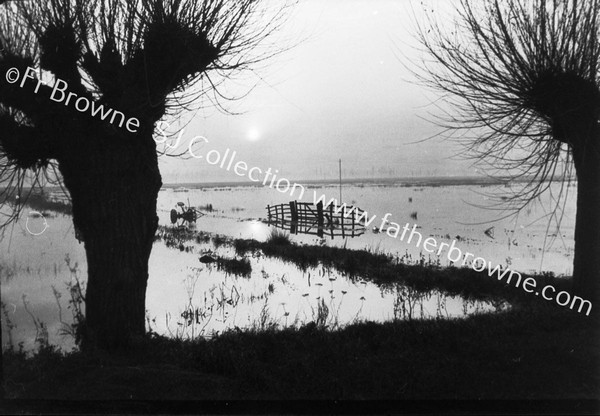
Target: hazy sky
342, 92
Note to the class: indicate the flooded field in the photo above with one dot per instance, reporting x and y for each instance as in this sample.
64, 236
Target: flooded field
187, 297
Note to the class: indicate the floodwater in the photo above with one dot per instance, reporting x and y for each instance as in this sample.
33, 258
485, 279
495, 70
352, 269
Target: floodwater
187, 298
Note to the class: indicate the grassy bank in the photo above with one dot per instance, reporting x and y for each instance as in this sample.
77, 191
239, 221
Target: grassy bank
529, 353
386, 270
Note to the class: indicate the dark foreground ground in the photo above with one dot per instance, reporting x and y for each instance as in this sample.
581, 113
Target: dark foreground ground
540, 353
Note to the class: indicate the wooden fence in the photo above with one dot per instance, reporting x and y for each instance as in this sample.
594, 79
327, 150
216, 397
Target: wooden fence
305, 218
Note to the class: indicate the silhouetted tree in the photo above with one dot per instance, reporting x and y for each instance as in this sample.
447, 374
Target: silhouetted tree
522, 79
137, 57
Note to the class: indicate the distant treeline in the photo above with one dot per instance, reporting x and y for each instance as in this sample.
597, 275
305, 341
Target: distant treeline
430, 181
41, 202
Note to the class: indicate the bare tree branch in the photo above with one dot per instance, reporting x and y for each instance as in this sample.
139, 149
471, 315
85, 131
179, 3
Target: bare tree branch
521, 78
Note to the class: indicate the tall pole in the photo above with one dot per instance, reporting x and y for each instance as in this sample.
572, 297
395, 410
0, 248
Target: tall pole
340, 163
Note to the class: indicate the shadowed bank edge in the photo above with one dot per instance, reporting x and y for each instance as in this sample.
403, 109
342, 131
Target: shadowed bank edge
525, 353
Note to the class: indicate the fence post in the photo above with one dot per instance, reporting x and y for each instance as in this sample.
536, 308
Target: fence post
320, 220
294, 212
331, 219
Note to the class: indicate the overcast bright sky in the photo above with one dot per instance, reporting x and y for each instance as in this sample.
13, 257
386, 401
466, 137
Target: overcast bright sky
342, 92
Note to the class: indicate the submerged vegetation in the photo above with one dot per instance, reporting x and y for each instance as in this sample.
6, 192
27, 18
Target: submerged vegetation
176, 237
422, 274
206, 207
386, 270
237, 267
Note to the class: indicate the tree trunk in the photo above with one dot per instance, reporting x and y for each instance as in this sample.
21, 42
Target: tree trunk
586, 266
114, 194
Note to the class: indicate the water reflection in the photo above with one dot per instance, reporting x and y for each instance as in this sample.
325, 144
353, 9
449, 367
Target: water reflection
256, 229
278, 294
274, 293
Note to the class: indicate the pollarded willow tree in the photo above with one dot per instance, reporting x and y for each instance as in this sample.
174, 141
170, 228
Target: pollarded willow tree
522, 78
143, 58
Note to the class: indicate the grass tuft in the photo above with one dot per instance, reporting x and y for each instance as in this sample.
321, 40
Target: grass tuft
278, 238
235, 267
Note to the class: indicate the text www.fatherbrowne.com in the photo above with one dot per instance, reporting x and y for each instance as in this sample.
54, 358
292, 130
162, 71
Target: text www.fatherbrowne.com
455, 256
392, 229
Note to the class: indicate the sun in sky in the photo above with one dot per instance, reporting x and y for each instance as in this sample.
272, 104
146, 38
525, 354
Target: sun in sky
253, 134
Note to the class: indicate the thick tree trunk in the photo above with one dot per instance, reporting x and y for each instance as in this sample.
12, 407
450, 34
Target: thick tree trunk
114, 193
117, 257
586, 266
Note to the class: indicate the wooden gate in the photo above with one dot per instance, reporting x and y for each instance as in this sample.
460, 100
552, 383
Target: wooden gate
305, 218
